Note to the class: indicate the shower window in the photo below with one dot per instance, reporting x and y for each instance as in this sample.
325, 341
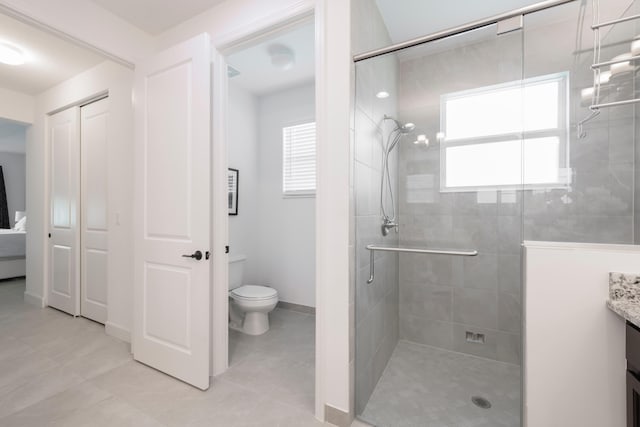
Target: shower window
482, 139
299, 160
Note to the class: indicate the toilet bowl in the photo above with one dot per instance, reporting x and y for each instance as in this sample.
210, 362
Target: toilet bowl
249, 305
253, 305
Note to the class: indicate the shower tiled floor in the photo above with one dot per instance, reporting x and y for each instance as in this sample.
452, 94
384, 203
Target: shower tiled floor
429, 387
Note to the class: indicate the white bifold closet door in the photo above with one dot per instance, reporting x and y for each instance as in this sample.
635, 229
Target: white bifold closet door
93, 218
78, 225
64, 194
172, 211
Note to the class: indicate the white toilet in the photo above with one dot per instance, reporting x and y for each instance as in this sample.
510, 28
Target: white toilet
249, 305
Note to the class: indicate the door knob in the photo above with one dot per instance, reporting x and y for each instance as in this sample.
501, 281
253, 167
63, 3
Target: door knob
197, 255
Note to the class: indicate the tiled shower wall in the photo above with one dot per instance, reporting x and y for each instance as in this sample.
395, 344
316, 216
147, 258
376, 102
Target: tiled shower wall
443, 297
376, 305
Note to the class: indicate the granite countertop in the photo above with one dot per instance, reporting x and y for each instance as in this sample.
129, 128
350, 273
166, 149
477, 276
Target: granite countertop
624, 296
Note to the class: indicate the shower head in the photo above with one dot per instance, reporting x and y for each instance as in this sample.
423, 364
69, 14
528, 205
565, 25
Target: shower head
407, 128
403, 128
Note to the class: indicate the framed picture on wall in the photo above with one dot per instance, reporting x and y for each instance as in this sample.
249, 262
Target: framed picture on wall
232, 178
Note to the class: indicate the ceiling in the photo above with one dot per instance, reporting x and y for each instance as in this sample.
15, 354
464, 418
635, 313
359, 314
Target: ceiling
50, 60
259, 76
12, 136
156, 16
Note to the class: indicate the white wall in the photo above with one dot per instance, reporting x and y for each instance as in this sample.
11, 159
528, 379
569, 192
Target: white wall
13, 168
243, 155
334, 295
117, 80
87, 22
574, 345
16, 142
16, 106
234, 19
286, 225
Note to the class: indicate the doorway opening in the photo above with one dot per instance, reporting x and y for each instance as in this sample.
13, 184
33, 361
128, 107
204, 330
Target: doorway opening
13, 216
272, 176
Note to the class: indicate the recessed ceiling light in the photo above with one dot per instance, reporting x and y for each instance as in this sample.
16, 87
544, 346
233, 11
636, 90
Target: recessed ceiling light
11, 55
282, 57
382, 94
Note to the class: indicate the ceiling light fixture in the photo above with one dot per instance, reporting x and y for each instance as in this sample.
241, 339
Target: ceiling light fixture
382, 94
11, 55
282, 57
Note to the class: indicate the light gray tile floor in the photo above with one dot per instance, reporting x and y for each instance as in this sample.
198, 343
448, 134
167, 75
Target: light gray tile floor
59, 371
429, 387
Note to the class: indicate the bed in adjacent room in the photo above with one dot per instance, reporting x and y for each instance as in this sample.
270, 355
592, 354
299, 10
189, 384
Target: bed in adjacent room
12, 253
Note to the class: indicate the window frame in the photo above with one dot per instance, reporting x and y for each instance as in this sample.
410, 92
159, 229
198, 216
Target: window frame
562, 132
298, 193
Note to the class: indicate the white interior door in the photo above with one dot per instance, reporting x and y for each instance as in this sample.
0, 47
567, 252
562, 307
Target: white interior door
94, 119
172, 211
64, 193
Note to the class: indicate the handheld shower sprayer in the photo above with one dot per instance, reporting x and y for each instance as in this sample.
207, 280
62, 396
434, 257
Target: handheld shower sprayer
389, 215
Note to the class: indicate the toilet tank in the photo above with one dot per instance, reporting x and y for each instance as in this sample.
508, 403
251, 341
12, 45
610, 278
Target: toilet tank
236, 270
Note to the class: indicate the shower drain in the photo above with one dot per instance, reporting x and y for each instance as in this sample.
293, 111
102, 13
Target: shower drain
481, 402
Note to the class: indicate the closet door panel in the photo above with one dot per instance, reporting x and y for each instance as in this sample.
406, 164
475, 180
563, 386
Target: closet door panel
64, 195
94, 170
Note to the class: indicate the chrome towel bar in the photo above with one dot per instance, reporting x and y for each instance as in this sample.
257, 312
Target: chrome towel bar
373, 248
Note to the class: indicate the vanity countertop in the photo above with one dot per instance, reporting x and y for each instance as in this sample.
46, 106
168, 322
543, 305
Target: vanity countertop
624, 296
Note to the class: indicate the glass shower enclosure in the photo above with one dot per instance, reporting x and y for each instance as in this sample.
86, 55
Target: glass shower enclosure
464, 147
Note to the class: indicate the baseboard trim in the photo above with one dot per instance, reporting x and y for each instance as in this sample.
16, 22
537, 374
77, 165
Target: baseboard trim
32, 299
337, 417
296, 307
117, 331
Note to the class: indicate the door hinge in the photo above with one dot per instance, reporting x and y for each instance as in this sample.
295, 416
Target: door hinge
226, 249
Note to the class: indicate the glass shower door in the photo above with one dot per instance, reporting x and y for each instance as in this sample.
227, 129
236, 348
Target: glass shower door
438, 164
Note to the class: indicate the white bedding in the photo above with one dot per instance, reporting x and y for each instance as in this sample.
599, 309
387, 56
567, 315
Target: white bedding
12, 243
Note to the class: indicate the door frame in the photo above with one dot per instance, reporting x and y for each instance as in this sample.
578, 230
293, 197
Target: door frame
224, 46
220, 219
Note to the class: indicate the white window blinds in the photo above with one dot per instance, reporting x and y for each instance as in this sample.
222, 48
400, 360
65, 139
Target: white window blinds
299, 160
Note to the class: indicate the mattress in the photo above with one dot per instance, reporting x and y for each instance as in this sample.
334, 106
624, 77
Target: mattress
12, 243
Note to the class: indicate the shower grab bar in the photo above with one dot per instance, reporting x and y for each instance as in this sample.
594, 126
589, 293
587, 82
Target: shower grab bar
373, 248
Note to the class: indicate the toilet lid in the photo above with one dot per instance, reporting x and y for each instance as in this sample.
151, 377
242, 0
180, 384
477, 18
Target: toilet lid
254, 292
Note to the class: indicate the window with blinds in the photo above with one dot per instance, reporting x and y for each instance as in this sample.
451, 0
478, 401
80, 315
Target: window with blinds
299, 160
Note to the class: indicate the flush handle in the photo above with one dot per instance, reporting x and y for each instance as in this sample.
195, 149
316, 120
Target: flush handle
196, 255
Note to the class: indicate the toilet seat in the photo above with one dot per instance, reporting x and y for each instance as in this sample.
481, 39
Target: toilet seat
253, 293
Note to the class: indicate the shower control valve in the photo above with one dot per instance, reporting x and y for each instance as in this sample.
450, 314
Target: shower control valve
387, 225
